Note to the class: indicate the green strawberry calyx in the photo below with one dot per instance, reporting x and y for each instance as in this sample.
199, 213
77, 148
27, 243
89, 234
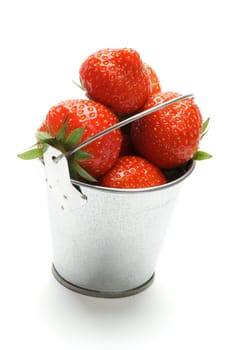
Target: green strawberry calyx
64, 144
78, 85
201, 155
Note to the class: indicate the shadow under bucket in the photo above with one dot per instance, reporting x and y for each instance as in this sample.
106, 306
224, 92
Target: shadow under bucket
106, 242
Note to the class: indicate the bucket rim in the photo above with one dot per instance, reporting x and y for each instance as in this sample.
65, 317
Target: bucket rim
192, 164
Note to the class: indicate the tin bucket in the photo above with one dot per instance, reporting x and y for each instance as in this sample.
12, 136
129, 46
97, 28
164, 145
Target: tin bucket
106, 242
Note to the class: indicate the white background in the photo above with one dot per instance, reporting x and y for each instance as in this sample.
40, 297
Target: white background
189, 305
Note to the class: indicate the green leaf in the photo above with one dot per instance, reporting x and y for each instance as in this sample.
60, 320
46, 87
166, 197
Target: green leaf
203, 134
83, 173
33, 153
75, 169
74, 137
79, 85
61, 134
44, 147
205, 125
43, 136
201, 155
82, 155
204, 128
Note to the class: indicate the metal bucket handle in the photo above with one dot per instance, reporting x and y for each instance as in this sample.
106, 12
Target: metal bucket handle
121, 124
99, 257
57, 167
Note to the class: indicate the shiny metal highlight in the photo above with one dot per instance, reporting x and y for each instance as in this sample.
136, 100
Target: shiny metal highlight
106, 242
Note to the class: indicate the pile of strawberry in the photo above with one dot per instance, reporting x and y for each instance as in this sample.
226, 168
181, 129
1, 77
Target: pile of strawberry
119, 84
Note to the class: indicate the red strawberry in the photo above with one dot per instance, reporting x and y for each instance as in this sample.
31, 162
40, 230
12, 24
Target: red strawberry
117, 78
82, 119
170, 136
155, 84
126, 147
43, 127
133, 172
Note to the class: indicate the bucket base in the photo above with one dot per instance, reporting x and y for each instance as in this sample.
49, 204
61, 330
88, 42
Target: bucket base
101, 294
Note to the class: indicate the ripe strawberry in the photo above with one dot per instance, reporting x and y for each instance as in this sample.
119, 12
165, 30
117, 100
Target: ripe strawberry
170, 136
43, 127
72, 122
93, 117
133, 172
126, 146
117, 78
154, 81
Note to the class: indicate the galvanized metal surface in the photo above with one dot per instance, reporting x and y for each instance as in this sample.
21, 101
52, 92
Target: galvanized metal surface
100, 294
106, 240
